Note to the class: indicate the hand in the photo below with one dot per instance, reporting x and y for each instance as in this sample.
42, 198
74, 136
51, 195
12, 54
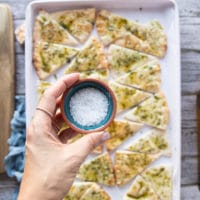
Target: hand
50, 163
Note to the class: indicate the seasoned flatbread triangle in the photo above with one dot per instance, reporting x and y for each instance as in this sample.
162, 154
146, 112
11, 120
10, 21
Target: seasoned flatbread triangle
48, 57
91, 57
100, 74
127, 96
154, 112
95, 193
120, 130
141, 190
99, 170
146, 77
77, 190
48, 30
149, 38
122, 60
160, 179
130, 164
43, 85
78, 22
153, 142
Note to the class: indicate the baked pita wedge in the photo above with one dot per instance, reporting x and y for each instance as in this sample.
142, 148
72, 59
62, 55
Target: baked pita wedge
95, 193
120, 130
100, 74
146, 77
99, 170
79, 23
140, 190
154, 112
48, 30
91, 57
153, 142
43, 85
160, 179
130, 164
149, 38
122, 60
48, 57
77, 190
127, 96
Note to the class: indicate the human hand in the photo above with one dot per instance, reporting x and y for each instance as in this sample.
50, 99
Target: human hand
51, 163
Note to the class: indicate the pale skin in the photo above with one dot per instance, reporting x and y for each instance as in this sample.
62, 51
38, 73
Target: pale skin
51, 163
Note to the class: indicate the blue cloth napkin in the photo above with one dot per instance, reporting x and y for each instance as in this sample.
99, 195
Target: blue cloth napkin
14, 161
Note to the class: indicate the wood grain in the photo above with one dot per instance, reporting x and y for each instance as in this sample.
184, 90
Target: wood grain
7, 73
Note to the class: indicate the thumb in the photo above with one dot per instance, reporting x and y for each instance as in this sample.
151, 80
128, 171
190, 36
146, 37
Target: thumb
90, 141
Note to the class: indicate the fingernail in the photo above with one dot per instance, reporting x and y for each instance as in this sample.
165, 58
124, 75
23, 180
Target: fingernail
105, 136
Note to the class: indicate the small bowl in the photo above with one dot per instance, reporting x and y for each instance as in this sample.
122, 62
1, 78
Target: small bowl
88, 83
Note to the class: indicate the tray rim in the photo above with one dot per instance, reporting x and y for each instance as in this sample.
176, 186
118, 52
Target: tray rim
28, 42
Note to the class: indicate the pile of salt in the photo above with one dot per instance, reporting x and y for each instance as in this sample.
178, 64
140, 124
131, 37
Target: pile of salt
88, 106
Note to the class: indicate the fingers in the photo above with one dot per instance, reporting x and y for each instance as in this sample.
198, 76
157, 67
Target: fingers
67, 134
89, 142
49, 98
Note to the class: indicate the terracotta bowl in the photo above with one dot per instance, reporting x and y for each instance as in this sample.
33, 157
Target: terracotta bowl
81, 84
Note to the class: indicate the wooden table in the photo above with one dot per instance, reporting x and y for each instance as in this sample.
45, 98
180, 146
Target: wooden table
190, 61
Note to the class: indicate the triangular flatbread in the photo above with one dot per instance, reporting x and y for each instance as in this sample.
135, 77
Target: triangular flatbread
77, 190
160, 179
153, 142
95, 193
146, 77
129, 164
98, 170
78, 22
48, 57
43, 85
149, 38
120, 130
154, 112
122, 60
100, 74
140, 190
48, 30
127, 96
91, 57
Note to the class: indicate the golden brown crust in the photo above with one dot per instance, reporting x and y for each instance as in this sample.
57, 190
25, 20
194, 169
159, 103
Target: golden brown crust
92, 57
48, 30
99, 170
78, 22
126, 96
146, 77
129, 164
149, 38
120, 130
48, 57
154, 112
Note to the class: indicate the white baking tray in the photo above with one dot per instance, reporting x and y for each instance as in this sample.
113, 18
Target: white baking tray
166, 11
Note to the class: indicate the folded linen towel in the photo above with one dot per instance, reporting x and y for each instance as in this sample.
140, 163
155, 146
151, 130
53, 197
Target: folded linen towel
14, 161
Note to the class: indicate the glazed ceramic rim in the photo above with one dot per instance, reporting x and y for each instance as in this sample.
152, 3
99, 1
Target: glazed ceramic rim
102, 85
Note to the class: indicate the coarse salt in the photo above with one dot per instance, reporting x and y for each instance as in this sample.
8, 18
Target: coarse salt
88, 106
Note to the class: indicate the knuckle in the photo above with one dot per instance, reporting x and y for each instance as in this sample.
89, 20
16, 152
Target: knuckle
92, 142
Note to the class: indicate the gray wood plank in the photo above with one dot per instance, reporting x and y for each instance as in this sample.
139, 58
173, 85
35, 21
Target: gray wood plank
189, 170
190, 193
20, 74
7, 187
